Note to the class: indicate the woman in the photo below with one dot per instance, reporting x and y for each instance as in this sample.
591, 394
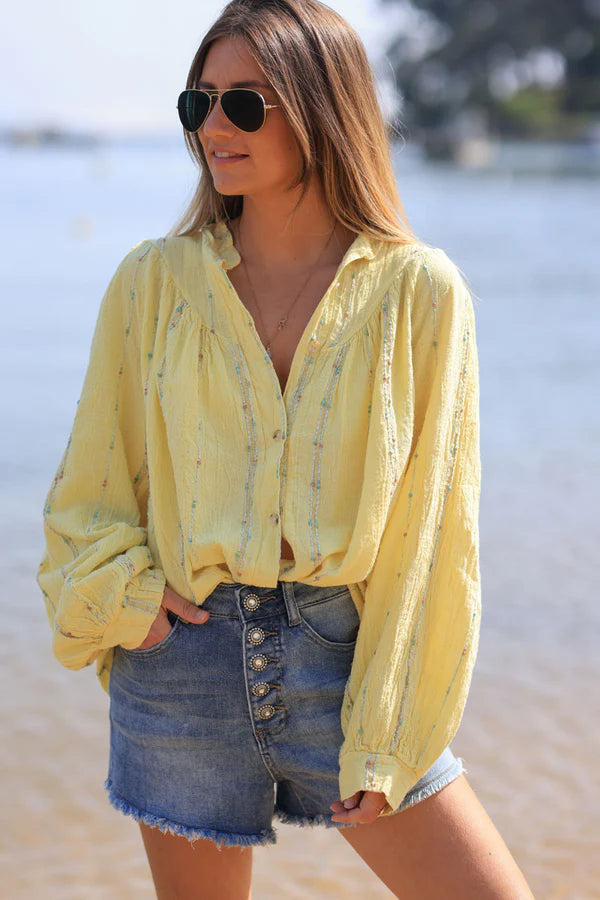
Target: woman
279, 424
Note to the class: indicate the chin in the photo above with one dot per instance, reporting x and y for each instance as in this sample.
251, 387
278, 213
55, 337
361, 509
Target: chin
228, 187
229, 191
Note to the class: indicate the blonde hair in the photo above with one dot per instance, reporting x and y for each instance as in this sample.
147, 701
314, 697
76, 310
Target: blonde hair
318, 67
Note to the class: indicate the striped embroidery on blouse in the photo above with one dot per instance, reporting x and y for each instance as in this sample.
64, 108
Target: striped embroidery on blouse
251, 456
199, 440
307, 364
317, 454
370, 358
390, 418
50, 500
346, 311
143, 470
111, 445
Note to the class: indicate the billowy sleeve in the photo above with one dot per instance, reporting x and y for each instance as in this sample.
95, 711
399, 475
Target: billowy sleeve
99, 582
419, 630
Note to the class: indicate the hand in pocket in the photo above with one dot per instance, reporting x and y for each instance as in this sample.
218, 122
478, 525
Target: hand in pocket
161, 625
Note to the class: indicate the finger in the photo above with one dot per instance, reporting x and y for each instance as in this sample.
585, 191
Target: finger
352, 817
350, 803
157, 633
353, 801
184, 608
367, 811
337, 806
356, 816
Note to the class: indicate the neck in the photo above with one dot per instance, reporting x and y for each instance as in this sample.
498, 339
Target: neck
276, 236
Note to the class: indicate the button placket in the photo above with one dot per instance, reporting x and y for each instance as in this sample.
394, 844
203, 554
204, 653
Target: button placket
259, 662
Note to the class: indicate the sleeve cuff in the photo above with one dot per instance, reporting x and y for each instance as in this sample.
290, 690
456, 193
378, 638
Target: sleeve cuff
140, 605
363, 771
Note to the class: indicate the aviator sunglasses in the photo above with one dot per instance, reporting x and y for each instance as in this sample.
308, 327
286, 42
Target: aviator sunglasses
245, 108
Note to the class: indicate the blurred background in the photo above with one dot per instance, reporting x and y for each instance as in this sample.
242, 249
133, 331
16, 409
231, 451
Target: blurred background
497, 111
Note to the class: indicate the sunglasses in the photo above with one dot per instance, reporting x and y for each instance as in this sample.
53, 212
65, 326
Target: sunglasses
244, 107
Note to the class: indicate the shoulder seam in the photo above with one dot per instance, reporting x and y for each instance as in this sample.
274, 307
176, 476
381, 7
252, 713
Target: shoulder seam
167, 270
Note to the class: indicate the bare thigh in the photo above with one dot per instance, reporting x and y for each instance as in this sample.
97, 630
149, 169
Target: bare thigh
182, 870
446, 847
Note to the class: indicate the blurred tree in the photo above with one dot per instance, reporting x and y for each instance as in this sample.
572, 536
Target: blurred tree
525, 68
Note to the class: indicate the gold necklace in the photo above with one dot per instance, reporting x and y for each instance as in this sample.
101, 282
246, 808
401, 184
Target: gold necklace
282, 322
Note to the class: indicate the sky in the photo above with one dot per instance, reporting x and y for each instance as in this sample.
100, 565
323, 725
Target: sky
117, 67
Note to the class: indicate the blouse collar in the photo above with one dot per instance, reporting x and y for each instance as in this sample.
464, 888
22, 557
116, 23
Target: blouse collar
219, 241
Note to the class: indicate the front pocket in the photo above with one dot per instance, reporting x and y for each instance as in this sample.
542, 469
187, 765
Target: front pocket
332, 622
162, 644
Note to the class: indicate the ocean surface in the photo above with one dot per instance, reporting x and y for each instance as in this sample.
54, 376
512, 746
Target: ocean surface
528, 243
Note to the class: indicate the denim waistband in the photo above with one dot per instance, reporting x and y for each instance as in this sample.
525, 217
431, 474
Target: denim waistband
249, 602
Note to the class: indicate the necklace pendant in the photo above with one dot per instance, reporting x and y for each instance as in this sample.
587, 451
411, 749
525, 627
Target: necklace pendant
282, 322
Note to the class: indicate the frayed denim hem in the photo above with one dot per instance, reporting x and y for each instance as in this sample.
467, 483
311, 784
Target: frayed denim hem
317, 819
453, 772
220, 838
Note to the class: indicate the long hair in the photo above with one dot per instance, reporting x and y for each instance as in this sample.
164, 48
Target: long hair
318, 67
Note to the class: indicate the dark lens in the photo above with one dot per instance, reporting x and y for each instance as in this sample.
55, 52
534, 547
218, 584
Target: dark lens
244, 108
193, 108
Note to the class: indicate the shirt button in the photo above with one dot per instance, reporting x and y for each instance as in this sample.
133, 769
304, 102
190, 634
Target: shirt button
277, 434
274, 518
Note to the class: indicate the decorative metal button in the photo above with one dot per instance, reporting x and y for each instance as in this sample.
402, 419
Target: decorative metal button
261, 689
256, 636
274, 518
266, 711
259, 662
251, 601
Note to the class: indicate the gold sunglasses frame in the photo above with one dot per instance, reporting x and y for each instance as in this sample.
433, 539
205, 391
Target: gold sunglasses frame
216, 94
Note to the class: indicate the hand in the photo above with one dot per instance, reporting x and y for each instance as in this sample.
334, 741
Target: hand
361, 808
161, 625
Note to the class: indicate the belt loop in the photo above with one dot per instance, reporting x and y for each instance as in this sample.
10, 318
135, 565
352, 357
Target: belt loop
290, 602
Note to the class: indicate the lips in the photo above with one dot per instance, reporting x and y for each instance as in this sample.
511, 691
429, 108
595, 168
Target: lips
231, 154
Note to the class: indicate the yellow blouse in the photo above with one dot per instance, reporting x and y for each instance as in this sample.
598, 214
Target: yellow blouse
186, 464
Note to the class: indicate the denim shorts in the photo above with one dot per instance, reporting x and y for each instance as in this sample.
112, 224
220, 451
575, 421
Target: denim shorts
222, 726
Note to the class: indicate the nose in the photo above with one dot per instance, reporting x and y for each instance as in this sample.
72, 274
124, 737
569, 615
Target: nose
216, 122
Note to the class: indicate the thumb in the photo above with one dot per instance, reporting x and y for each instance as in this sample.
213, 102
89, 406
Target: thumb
182, 607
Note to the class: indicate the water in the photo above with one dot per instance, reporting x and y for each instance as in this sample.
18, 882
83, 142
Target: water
529, 247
